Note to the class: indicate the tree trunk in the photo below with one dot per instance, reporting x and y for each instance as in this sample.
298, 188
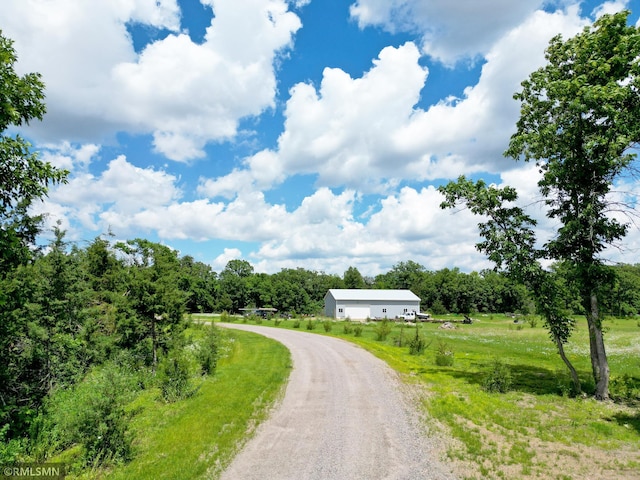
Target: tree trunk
577, 388
599, 362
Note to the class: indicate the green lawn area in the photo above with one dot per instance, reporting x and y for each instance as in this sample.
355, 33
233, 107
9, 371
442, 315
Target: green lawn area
536, 429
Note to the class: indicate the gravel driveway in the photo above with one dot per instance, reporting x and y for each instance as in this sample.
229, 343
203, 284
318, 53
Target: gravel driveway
342, 417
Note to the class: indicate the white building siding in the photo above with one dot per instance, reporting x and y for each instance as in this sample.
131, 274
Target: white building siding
362, 304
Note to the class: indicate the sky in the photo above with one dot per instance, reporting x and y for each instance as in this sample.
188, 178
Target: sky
292, 134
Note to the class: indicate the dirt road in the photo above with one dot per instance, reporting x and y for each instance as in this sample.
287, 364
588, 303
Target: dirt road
343, 417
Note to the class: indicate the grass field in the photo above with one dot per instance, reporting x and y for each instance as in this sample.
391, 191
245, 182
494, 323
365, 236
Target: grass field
536, 429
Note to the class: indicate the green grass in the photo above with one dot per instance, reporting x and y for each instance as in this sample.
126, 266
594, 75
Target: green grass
197, 437
535, 430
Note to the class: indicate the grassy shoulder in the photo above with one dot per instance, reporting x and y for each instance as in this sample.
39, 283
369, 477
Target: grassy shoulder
536, 429
198, 436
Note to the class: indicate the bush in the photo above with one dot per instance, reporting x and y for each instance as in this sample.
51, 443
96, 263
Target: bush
174, 375
625, 388
328, 325
207, 353
418, 344
444, 355
400, 340
311, 325
382, 330
346, 327
92, 414
10, 450
499, 378
438, 308
357, 330
296, 324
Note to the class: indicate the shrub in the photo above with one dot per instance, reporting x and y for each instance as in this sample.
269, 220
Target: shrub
225, 317
418, 344
207, 353
382, 330
311, 325
174, 374
400, 340
499, 378
438, 308
444, 355
296, 324
533, 321
10, 450
625, 388
328, 325
357, 330
347, 327
91, 414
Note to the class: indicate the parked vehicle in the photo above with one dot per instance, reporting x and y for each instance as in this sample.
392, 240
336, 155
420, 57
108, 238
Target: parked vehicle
414, 316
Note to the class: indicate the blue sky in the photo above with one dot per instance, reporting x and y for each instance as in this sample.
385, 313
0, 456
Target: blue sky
308, 133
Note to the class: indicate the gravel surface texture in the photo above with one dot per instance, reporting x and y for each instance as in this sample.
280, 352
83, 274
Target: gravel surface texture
343, 416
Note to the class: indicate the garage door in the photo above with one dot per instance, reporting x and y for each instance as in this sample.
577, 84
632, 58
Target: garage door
357, 312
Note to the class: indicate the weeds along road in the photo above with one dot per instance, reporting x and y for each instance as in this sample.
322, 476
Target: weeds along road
343, 417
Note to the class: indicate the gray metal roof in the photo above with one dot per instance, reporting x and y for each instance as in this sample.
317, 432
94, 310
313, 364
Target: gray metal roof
372, 294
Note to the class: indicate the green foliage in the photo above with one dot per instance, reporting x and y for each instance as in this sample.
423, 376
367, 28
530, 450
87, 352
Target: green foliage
328, 325
91, 414
347, 328
580, 119
437, 308
444, 354
156, 303
357, 330
353, 278
400, 340
11, 451
24, 179
174, 376
382, 330
311, 324
418, 344
296, 323
625, 388
198, 437
207, 352
498, 379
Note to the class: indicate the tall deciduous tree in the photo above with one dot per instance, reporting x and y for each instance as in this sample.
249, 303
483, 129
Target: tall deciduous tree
234, 283
579, 121
24, 178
